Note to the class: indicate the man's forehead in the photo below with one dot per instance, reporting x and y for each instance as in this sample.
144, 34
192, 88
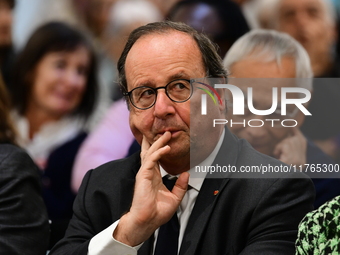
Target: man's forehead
173, 52
163, 40
303, 3
261, 66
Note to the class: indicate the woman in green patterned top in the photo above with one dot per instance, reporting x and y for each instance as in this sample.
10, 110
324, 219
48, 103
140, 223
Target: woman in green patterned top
319, 231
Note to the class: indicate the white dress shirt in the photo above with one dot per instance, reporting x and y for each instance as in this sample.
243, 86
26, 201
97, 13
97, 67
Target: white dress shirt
50, 136
104, 244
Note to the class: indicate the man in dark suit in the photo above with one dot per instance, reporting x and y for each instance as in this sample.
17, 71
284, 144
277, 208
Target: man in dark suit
122, 206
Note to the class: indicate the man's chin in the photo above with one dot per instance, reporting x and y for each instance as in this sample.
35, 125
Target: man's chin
178, 149
176, 162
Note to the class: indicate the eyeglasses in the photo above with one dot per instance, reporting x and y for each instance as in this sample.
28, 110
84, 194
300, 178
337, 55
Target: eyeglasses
145, 97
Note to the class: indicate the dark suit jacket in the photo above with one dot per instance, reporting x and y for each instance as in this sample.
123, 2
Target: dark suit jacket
247, 216
57, 192
24, 225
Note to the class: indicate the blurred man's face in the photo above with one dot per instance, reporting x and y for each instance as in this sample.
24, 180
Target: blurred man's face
5, 24
265, 138
310, 24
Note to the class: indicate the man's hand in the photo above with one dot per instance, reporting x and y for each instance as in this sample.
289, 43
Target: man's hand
293, 149
153, 204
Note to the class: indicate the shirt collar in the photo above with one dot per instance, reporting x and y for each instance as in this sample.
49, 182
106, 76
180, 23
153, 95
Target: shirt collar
196, 182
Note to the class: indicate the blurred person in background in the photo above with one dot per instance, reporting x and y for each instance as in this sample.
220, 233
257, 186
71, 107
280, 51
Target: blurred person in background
164, 6
276, 56
124, 17
29, 15
96, 15
55, 87
24, 227
250, 10
6, 47
264, 12
319, 231
112, 138
221, 20
313, 24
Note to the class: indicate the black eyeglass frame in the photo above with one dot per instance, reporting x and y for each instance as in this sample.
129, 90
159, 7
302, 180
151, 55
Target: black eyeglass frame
128, 94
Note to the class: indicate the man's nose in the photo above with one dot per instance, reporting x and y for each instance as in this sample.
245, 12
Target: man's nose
163, 107
302, 21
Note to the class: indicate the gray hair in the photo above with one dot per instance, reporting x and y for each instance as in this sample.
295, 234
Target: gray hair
270, 45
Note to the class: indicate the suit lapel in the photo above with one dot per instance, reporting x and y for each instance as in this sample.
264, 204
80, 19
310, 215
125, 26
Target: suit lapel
200, 215
127, 189
207, 197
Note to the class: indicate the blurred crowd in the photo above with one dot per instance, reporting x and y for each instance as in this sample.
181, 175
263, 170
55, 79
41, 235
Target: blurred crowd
58, 61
